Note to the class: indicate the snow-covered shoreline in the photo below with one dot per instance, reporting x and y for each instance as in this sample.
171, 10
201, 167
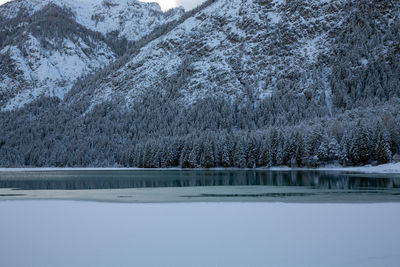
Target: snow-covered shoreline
384, 168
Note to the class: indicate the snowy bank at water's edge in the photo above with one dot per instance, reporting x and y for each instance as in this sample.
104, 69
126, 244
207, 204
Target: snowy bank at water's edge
384, 168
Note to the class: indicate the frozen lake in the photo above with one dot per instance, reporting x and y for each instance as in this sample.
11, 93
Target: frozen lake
73, 233
199, 218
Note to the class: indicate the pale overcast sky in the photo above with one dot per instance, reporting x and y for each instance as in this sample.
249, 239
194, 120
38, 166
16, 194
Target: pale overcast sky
165, 4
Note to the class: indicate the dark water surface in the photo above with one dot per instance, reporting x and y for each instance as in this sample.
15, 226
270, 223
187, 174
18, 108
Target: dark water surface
145, 186
117, 179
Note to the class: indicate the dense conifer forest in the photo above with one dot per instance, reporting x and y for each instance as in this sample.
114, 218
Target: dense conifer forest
213, 133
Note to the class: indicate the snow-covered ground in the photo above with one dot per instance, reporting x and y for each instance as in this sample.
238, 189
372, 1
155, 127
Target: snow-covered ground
384, 168
65, 233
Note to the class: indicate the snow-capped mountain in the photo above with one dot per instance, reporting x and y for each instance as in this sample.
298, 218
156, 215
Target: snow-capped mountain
234, 83
46, 45
248, 49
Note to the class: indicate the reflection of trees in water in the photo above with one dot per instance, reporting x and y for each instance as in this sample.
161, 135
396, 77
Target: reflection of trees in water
101, 180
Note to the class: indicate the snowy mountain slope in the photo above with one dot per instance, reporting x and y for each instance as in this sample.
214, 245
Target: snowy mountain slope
249, 49
131, 18
46, 45
45, 53
234, 49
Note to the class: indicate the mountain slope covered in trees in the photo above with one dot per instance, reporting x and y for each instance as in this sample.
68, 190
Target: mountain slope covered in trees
249, 83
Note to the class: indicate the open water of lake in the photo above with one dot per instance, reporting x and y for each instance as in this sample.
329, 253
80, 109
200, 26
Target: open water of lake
199, 218
194, 186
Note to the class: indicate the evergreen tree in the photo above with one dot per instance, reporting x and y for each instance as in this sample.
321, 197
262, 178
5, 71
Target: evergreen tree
382, 148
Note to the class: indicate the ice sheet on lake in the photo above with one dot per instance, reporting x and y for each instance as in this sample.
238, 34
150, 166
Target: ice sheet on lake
51, 233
